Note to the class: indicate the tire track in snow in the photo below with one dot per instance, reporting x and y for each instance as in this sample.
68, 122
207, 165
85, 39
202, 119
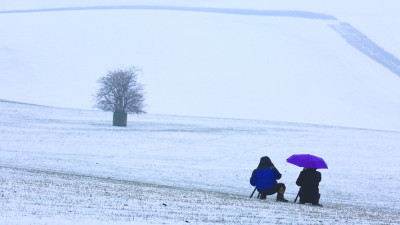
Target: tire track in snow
362, 43
354, 38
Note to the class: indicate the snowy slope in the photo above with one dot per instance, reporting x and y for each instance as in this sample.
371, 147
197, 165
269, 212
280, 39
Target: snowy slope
72, 165
43, 197
258, 61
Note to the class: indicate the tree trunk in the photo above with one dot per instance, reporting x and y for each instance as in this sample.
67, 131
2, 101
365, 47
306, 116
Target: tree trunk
120, 119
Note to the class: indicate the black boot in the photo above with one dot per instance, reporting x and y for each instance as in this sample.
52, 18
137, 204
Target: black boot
280, 198
316, 202
263, 196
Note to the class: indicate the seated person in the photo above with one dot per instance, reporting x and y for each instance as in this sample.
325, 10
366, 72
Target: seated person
308, 181
264, 178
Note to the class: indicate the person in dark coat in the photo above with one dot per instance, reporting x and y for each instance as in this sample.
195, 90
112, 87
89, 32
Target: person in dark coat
308, 181
264, 178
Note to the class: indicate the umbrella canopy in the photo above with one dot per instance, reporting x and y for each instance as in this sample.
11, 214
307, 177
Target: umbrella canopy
307, 160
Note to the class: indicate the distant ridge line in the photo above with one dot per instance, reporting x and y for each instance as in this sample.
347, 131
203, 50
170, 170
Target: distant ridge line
277, 13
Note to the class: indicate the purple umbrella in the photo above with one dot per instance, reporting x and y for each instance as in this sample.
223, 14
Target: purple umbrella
307, 160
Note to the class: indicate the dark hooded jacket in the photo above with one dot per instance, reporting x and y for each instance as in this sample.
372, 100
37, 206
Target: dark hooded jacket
265, 176
308, 181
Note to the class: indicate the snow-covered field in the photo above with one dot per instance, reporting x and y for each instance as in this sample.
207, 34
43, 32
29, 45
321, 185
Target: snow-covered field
70, 166
330, 67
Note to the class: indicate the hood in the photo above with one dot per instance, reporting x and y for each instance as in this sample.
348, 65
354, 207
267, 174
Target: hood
265, 162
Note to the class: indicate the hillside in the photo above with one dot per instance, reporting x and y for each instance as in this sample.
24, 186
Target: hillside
270, 64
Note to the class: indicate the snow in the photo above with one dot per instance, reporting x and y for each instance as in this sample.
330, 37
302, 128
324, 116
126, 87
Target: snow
227, 82
71, 199
70, 155
279, 62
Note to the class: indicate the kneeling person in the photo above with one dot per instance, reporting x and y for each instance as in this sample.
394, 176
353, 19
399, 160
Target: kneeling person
265, 179
308, 181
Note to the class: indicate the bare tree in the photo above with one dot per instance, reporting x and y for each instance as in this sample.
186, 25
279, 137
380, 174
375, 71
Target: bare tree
120, 93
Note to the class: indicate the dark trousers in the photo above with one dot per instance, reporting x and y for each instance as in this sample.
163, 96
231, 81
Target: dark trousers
309, 195
271, 191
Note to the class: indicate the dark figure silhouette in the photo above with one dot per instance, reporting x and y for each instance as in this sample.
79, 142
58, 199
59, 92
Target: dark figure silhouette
264, 178
308, 181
